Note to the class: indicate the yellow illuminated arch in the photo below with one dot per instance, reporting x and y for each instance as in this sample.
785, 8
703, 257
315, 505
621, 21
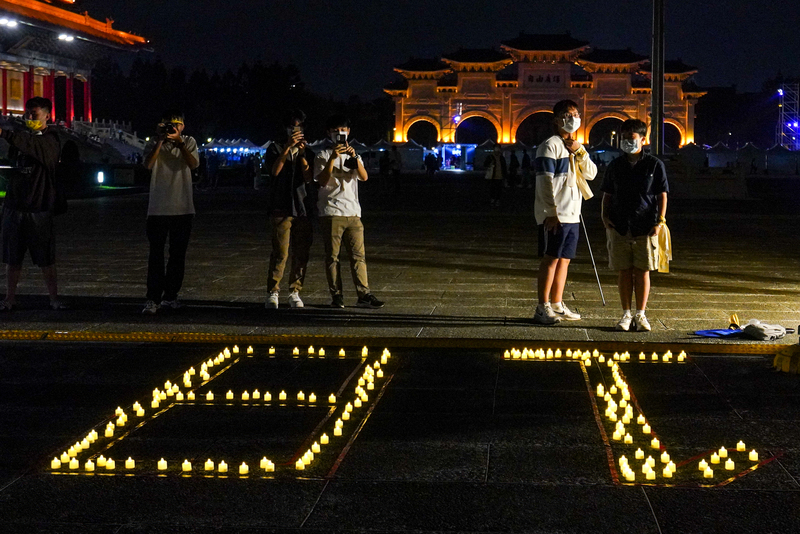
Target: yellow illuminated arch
502, 137
680, 128
426, 118
523, 115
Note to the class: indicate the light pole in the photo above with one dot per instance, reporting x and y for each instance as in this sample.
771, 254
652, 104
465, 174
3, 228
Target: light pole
657, 88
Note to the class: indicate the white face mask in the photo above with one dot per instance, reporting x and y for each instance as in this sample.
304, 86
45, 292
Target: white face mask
630, 146
570, 124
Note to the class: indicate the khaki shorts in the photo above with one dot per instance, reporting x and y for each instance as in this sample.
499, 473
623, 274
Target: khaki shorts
626, 251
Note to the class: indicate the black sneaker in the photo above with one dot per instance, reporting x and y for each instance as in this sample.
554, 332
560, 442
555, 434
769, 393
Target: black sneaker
337, 302
369, 301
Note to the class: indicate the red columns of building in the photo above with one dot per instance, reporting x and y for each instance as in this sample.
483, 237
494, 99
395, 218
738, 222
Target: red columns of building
5, 92
27, 83
70, 111
87, 100
50, 91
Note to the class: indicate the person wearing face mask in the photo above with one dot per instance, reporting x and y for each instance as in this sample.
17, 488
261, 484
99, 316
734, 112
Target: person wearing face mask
338, 170
292, 204
27, 221
170, 210
634, 213
562, 168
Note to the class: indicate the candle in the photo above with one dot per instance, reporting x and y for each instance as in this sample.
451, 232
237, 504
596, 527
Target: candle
507, 355
89, 465
245, 396
191, 371
296, 351
362, 382
190, 395
558, 353
341, 353
162, 465
93, 433
256, 394
130, 463
250, 349
227, 352
236, 349
345, 416
209, 396
338, 424
639, 454
667, 472
301, 396
244, 469
740, 446
222, 467
651, 461
299, 465
651, 475
55, 463
162, 395
264, 463
640, 420
723, 452
140, 412
613, 390
729, 465
153, 404
612, 416
74, 464
655, 444
645, 428
101, 461
616, 436
642, 357
630, 476
379, 374
270, 467
626, 419
323, 439
337, 431
646, 468
665, 358
209, 465
229, 395
364, 351
311, 349
118, 411
186, 466
332, 398
321, 352
308, 457
665, 457
64, 458
753, 456
110, 430
384, 359
179, 396
681, 356
312, 398
715, 458
601, 359
267, 396
315, 448
282, 395
120, 421
110, 464
600, 390
272, 350
708, 473
703, 465
654, 357
370, 386
628, 439
607, 397
671, 466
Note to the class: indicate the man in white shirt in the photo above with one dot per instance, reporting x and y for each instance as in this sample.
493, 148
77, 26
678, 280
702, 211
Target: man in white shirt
170, 210
338, 170
562, 168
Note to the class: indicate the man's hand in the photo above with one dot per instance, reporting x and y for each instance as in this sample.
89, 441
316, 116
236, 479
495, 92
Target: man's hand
338, 150
175, 137
655, 231
552, 224
608, 224
572, 145
350, 151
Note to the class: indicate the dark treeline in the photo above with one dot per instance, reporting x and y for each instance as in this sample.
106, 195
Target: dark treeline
248, 103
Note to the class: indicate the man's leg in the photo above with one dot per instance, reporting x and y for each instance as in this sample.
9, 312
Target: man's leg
157, 230
13, 274
547, 273
625, 284
559, 280
180, 228
641, 281
302, 237
332, 229
281, 232
51, 281
354, 243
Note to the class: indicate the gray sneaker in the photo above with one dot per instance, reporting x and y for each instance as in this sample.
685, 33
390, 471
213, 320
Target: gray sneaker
150, 308
272, 301
172, 304
545, 315
294, 300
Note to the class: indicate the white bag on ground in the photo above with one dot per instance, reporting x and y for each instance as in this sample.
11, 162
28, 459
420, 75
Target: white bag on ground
755, 329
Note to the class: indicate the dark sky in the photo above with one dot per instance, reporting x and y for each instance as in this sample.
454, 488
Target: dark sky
347, 47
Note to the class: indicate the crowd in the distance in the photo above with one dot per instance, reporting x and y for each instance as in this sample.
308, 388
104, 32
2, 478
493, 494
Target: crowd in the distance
304, 186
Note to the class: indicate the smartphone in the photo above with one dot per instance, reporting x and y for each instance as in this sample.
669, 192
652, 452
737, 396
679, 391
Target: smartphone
296, 129
341, 139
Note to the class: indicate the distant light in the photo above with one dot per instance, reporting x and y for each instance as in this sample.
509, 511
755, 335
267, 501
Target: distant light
100, 177
12, 24
780, 91
146, 138
794, 124
209, 140
457, 118
65, 37
3, 21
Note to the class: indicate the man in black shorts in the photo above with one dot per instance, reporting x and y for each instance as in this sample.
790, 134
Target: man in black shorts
30, 201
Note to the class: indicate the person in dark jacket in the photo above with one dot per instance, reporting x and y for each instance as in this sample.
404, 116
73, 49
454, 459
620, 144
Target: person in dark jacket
30, 201
292, 205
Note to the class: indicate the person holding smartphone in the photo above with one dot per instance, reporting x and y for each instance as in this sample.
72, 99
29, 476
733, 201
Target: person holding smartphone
291, 207
338, 170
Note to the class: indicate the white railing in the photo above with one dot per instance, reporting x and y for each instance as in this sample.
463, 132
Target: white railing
119, 132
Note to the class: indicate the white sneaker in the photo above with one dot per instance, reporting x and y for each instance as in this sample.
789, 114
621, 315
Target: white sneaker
294, 300
173, 304
624, 324
272, 301
545, 315
150, 308
641, 323
565, 313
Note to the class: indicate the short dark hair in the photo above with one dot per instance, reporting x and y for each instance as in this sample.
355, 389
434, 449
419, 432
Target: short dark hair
39, 102
634, 126
563, 106
336, 121
171, 115
295, 115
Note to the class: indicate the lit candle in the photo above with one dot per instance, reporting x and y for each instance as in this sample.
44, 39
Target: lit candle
639, 454
186, 466
267, 396
282, 395
337, 431
664, 457
681, 356
613, 390
364, 351
379, 374
209, 396
332, 398
587, 363
236, 349
270, 467
740, 446
209, 465
153, 404
250, 349
715, 458
646, 468
671, 466
703, 465
623, 403
753, 456
667, 472
162, 465
630, 476
626, 419
655, 444
654, 357
370, 386
101, 461
74, 464
162, 395
191, 371
299, 465
507, 355
227, 352
120, 421
651, 461
311, 349
324, 439
301, 396
341, 353
729, 465
296, 351
55, 463
723, 452
119, 411
272, 350
616, 436
645, 428
245, 396
89, 465
93, 433
600, 390
140, 412
222, 467
708, 473
130, 463
64, 458
244, 469
651, 475
190, 396
357, 403
665, 358
179, 396
256, 394
312, 398
628, 439
110, 430
315, 448
110, 464
345, 416
264, 463
362, 382
642, 357
339, 423
321, 352
229, 395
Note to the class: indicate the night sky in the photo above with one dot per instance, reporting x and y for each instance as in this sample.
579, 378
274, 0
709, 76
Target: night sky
348, 47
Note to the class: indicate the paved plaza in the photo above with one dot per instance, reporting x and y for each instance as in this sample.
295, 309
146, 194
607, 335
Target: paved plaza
452, 434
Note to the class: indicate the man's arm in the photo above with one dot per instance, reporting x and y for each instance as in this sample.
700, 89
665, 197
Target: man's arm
150, 158
605, 208
43, 149
187, 153
662, 213
585, 163
324, 169
545, 170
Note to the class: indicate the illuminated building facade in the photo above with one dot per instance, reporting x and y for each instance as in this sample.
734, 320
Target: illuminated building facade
527, 76
48, 50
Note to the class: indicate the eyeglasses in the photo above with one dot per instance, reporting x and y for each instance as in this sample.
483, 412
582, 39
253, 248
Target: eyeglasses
567, 114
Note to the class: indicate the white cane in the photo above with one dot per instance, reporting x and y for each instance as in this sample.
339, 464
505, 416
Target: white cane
599, 286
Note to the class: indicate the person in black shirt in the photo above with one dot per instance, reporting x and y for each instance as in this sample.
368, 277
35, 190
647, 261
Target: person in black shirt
634, 209
31, 201
292, 205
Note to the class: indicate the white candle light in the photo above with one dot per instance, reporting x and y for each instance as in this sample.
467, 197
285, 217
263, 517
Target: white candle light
740, 446
715, 458
186, 466
753, 456
723, 452
311, 349
312, 398
655, 444
282, 395
209, 465
708, 473
244, 469
639, 454
55, 463
301, 396
271, 350
321, 352
315, 448
245, 396
101, 461
729, 465
229, 395
110, 464
222, 467
162, 465
130, 463
256, 394
250, 349
89, 465
323, 439
74, 464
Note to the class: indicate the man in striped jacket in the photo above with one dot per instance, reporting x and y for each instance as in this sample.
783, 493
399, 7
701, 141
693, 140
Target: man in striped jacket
562, 168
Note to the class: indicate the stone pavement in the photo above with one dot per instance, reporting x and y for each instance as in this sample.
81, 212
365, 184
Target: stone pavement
448, 266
